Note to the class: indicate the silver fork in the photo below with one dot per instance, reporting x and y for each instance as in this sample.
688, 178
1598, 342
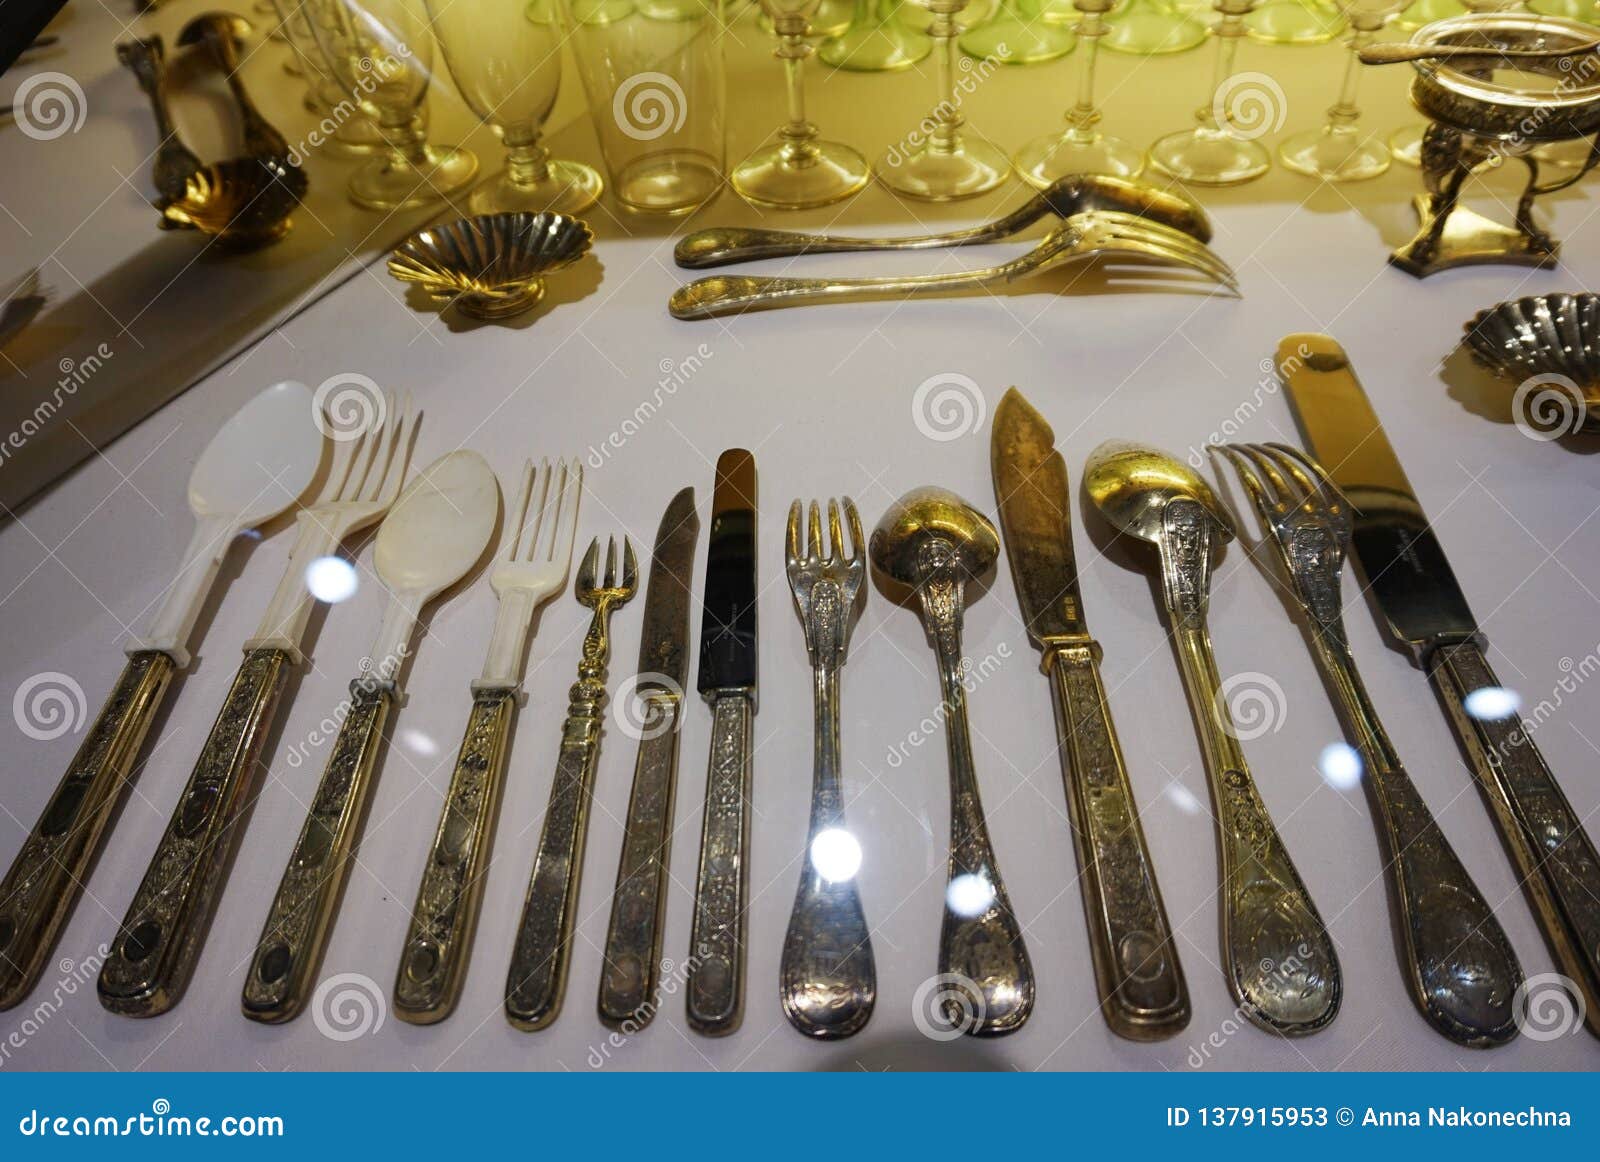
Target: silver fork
538, 976
828, 980
1097, 233
159, 942
1460, 967
532, 568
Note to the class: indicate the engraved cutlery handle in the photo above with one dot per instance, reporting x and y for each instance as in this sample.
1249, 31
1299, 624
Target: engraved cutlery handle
1142, 989
633, 940
1560, 868
159, 943
433, 963
283, 971
828, 979
1460, 967
717, 933
48, 874
725, 245
723, 294
537, 980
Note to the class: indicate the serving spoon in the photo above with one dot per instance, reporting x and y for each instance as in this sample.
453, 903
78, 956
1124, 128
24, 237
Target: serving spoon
436, 531
1404, 52
256, 466
1279, 960
933, 542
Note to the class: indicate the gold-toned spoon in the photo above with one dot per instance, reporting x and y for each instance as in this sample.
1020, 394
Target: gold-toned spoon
1405, 52
933, 542
1280, 963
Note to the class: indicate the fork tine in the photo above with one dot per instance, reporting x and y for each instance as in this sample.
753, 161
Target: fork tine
792, 540
1310, 493
338, 469
390, 465
836, 550
1333, 496
611, 564
630, 567
1263, 500
815, 549
586, 570
1162, 251
539, 508
1176, 245
517, 514
857, 541
367, 452
1288, 494
566, 522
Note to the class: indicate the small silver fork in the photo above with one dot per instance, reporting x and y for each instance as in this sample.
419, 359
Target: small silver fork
1460, 967
827, 979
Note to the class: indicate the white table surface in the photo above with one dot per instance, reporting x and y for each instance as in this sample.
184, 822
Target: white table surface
824, 397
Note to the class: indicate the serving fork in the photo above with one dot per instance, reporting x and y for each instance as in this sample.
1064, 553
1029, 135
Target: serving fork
539, 960
1096, 233
532, 568
155, 950
1460, 967
827, 979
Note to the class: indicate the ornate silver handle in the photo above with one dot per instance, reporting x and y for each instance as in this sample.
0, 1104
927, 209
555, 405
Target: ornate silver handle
159, 943
47, 877
537, 980
1142, 989
284, 968
716, 937
633, 939
725, 245
433, 964
1560, 868
828, 979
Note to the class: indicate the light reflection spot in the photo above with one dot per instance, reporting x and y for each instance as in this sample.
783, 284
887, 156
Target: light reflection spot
836, 854
331, 579
969, 895
1492, 702
1340, 765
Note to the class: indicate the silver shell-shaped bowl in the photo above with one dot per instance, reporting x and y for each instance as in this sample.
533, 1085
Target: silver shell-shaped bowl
493, 266
1544, 337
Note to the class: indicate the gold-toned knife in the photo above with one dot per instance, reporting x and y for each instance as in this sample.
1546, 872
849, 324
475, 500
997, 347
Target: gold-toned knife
1422, 606
1143, 994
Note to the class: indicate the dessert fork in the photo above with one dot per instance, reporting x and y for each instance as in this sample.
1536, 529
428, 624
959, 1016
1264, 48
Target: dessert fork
827, 979
538, 976
156, 949
1460, 967
1097, 233
532, 568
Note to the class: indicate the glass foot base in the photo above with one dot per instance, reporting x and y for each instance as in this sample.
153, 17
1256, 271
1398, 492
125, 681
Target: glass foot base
880, 48
1405, 145
1294, 22
934, 175
569, 187
1143, 32
1335, 155
672, 182
668, 9
605, 11
829, 172
1048, 159
976, 14
382, 185
832, 17
1209, 157
1016, 43
1427, 11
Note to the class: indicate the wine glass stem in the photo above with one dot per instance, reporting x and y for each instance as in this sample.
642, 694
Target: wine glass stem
947, 119
1344, 111
1084, 116
799, 135
402, 130
527, 160
1228, 33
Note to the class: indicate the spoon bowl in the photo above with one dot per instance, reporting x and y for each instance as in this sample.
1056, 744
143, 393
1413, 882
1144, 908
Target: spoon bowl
1131, 484
438, 527
272, 438
922, 515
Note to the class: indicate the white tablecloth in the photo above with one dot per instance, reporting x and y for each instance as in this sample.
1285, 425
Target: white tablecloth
825, 399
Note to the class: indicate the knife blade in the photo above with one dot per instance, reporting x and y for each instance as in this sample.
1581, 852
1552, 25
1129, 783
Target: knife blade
1143, 995
1419, 600
628, 977
728, 683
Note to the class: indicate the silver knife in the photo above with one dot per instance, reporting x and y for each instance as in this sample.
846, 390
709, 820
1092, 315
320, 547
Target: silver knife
628, 977
728, 682
1143, 995
1422, 605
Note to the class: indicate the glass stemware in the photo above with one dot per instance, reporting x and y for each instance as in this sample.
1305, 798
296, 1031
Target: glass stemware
935, 161
1339, 151
833, 18
354, 134
1082, 148
1295, 22
799, 170
1218, 151
1152, 28
1426, 12
1018, 35
877, 40
507, 68
381, 51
